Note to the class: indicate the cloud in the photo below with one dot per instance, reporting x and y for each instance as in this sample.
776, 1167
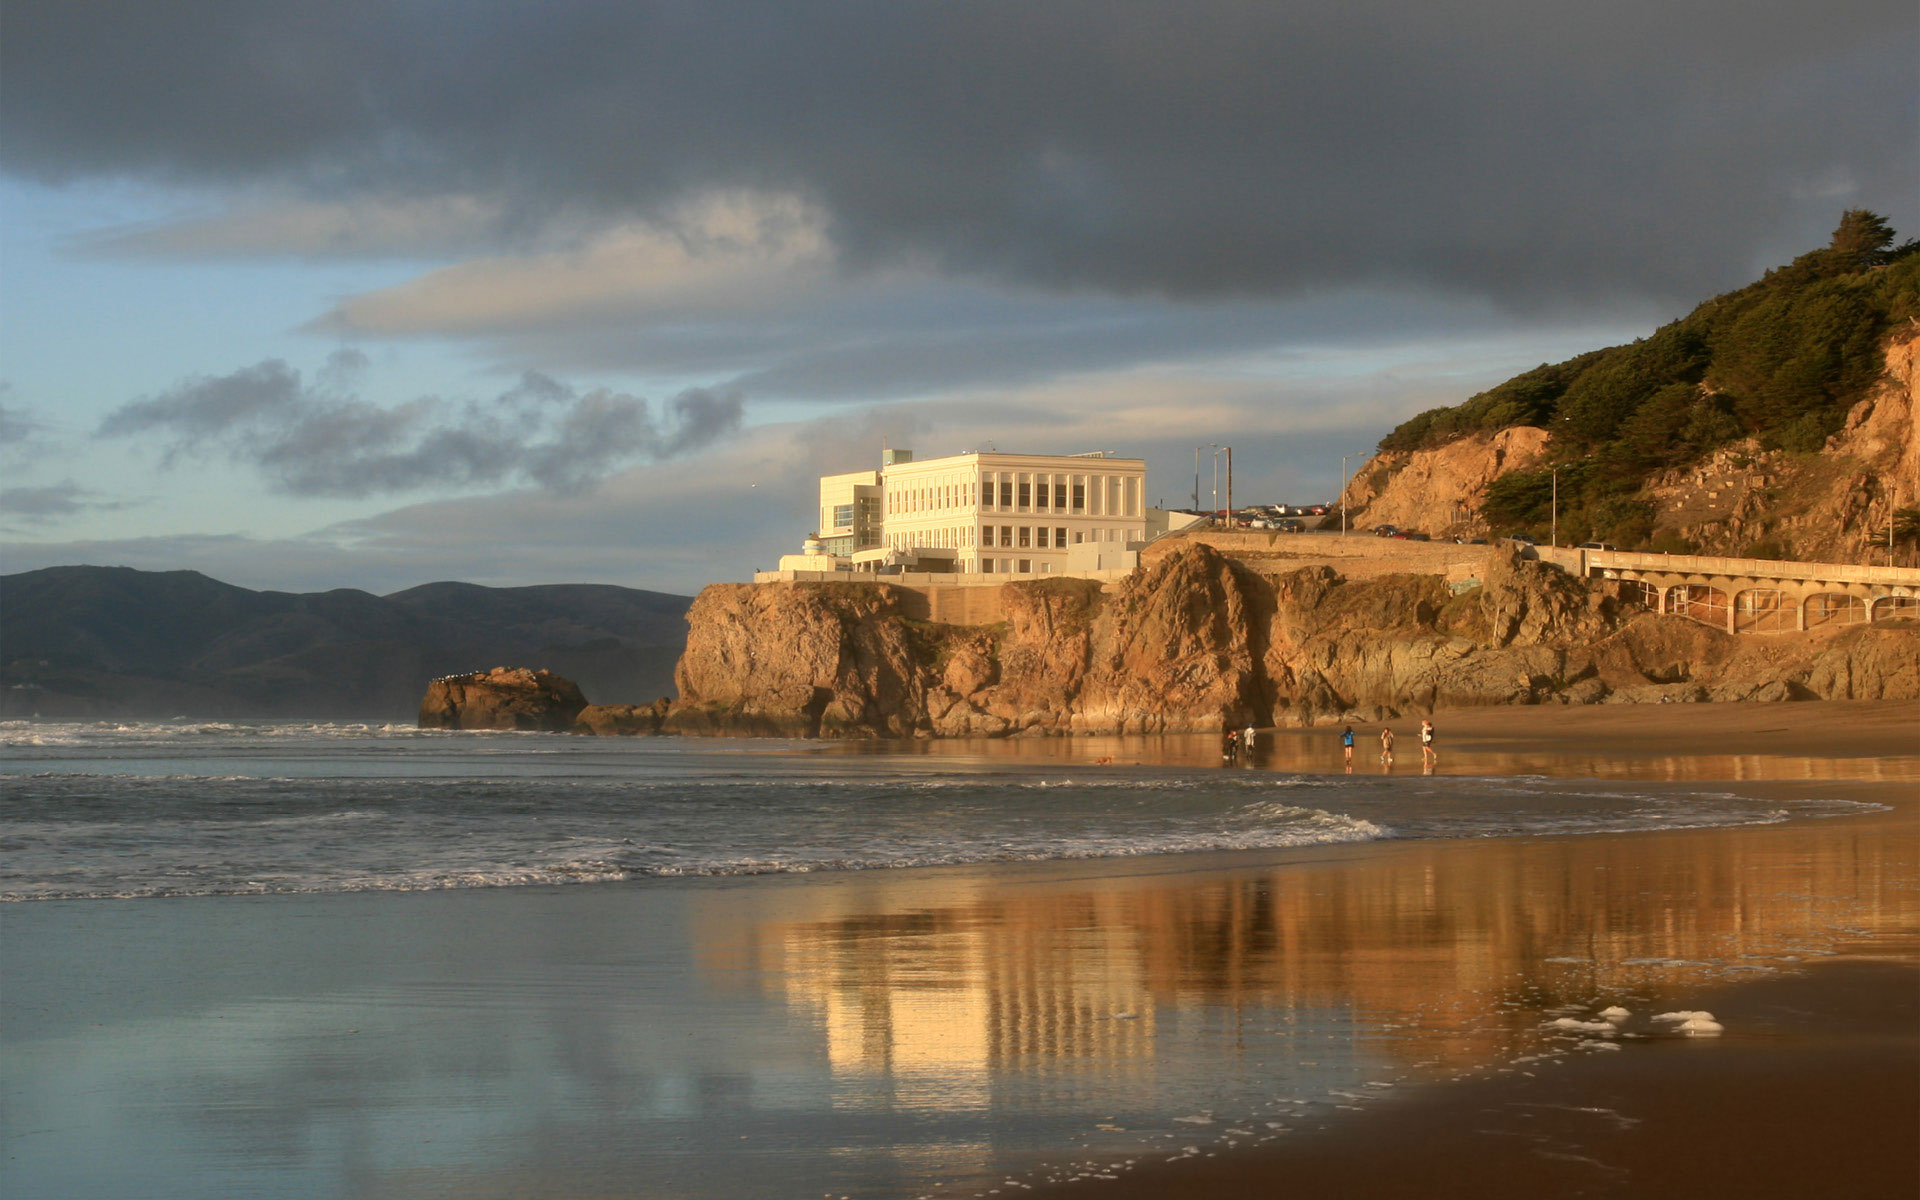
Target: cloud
1519, 151
720, 255
321, 439
27, 440
52, 502
308, 227
718, 510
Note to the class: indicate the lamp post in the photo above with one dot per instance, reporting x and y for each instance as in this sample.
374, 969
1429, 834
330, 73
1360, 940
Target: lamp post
1196, 472
1343, 488
1218, 450
1553, 537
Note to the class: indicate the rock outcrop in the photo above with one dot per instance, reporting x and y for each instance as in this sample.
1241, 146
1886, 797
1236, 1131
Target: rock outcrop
622, 720
1197, 642
1440, 490
503, 698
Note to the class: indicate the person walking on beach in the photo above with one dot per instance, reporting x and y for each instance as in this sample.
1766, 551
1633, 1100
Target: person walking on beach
1427, 754
1346, 744
1246, 740
1386, 746
1230, 749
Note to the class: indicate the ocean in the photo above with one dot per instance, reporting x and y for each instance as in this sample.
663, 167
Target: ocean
358, 960
98, 810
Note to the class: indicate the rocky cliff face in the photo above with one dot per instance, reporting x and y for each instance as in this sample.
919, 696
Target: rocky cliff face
1826, 507
503, 698
1440, 491
1196, 642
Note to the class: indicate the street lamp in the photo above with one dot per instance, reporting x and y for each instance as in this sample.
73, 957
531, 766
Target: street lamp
1196, 472
1553, 537
1218, 450
1343, 488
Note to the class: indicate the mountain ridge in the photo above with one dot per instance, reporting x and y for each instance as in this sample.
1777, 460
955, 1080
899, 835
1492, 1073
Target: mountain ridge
86, 641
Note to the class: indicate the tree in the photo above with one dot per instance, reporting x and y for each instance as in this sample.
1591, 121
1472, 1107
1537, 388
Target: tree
1861, 240
1906, 526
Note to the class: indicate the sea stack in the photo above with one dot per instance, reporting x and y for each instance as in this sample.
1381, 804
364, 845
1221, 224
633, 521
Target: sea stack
503, 698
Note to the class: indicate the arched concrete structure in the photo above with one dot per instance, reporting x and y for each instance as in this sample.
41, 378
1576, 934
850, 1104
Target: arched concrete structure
1700, 602
1833, 608
1894, 608
1765, 610
1749, 595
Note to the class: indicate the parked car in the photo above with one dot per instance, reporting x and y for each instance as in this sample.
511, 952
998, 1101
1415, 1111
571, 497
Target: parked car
1595, 546
1385, 530
1521, 537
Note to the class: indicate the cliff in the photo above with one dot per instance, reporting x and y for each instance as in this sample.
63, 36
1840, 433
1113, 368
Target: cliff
1441, 491
1196, 642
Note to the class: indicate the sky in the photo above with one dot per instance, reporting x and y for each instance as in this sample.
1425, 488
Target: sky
371, 294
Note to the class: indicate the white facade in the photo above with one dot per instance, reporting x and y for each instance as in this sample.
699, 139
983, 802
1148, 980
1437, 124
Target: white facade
850, 512
984, 513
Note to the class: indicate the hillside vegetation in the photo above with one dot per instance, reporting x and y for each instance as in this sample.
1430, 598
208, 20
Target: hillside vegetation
1780, 361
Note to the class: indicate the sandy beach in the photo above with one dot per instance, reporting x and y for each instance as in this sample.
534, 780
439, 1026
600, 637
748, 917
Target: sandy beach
1382, 1018
1815, 1087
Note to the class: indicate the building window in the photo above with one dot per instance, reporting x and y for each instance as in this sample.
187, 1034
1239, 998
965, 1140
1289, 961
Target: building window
1060, 538
1006, 535
1026, 535
1026, 566
1040, 537
1006, 493
1079, 497
1059, 495
1078, 537
1026, 495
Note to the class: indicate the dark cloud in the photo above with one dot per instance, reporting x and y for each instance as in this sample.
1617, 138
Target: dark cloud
27, 439
40, 505
323, 440
1513, 149
16, 425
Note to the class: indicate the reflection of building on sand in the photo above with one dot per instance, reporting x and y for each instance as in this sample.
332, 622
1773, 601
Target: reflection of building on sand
940, 999
953, 986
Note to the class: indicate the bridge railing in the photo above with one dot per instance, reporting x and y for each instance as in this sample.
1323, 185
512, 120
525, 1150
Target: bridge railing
1749, 568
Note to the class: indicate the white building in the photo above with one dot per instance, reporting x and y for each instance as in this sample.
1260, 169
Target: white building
982, 513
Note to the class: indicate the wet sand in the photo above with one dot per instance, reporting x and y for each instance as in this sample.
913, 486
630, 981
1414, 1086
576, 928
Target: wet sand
1813, 1090
1817, 1094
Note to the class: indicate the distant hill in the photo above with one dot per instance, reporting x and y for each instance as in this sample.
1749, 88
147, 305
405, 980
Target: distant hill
1707, 434
114, 642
